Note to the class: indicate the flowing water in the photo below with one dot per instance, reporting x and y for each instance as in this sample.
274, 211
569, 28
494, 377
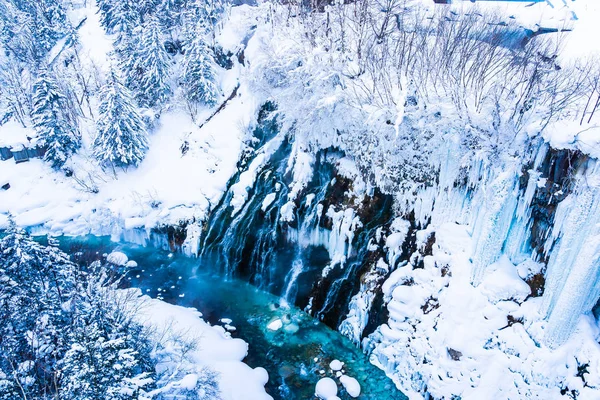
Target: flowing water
296, 356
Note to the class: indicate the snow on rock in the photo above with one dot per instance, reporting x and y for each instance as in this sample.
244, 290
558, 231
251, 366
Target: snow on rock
326, 389
214, 347
351, 385
268, 201
504, 283
485, 345
336, 365
275, 325
287, 211
117, 258
394, 241
261, 375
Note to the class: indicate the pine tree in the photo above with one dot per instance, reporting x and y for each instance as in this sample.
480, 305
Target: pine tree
35, 283
122, 138
147, 66
198, 73
202, 18
55, 130
109, 355
30, 28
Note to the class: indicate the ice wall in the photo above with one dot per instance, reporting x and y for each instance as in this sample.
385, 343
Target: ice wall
573, 271
502, 202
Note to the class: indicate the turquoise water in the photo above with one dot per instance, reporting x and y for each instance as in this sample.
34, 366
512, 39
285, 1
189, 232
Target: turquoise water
296, 356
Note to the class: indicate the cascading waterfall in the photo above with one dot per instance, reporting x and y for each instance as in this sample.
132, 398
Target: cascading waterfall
313, 239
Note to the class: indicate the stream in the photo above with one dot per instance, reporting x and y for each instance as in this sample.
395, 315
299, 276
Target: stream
296, 356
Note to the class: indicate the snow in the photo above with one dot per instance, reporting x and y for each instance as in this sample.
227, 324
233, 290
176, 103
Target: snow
14, 136
268, 201
336, 365
351, 385
167, 187
477, 352
504, 283
117, 258
275, 325
214, 348
326, 388
462, 346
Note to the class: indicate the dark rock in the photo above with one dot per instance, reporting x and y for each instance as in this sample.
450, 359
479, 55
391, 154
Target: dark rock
454, 354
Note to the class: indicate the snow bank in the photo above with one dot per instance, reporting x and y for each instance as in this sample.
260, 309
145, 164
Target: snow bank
169, 185
477, 342
215, 348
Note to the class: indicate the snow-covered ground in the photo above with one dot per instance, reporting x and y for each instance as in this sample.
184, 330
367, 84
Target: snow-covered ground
483, 342
170, 185
211, 347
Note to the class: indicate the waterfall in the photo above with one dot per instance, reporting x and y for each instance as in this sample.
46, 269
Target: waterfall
307, 228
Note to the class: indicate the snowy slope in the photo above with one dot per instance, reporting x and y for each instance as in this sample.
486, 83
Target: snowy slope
214, 348
168, 186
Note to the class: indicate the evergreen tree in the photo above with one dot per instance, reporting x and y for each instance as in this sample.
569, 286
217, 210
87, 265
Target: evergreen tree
147, 66
109, 355
202, 18
120, 18
35, 283
121, 138
198, 73
30, 28
55, 130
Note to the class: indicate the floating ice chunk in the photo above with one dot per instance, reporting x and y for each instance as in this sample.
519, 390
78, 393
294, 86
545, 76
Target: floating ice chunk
326, 389
351, 385
230, 328
275, 325
226, 320
291, 328
336, 365
131, 264
117, 258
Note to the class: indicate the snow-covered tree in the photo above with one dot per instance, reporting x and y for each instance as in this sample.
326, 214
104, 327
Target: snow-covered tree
35, 282
109, 354
30, 28
58, 133
147, 65
202, 17
199, 74
122, 138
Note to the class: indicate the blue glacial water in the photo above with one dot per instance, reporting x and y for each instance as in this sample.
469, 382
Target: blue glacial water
296, 356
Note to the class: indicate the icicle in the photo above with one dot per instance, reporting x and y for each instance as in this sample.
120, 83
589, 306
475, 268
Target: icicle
493, 223
573, 272
360, 305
